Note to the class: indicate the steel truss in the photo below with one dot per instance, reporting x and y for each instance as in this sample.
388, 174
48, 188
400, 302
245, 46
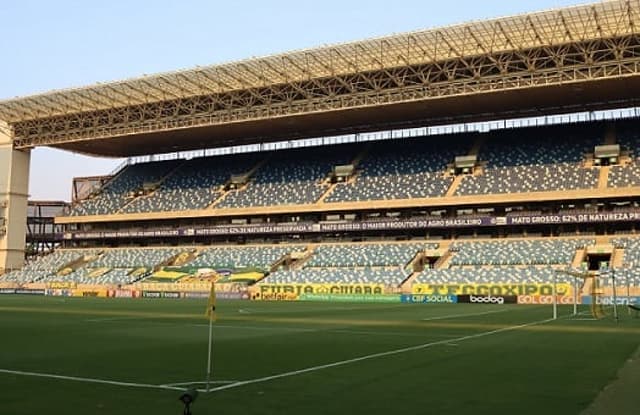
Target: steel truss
586, 43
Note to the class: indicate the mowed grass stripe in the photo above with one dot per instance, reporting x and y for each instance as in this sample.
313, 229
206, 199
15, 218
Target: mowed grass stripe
391, 323
233, 385
519, 371
89, 380
374, 356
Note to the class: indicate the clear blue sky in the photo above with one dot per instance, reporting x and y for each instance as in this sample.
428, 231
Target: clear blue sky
49, 45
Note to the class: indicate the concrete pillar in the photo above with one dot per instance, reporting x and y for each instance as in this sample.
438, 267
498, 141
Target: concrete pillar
14, 194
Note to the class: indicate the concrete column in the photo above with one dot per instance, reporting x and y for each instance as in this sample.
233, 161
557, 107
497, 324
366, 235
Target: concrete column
14, 194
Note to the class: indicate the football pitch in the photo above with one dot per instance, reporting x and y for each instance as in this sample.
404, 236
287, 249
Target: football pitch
116, 356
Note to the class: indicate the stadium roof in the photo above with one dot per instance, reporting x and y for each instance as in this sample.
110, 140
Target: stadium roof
362, 85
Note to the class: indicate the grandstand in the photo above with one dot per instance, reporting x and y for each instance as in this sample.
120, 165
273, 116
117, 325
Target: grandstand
493, 162
476, 175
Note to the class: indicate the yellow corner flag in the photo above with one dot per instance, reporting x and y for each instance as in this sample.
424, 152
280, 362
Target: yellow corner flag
211, 305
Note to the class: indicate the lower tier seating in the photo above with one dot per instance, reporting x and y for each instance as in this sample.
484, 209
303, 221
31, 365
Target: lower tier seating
492, 275
392, 277
46, 266
470, 261
517, 252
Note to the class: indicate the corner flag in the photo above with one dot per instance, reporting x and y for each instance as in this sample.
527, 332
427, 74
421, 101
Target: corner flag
211, 305
211, 313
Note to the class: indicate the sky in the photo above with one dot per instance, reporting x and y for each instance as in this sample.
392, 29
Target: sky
49, 45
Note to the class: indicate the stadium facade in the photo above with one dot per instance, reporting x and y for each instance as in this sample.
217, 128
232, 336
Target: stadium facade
508, 207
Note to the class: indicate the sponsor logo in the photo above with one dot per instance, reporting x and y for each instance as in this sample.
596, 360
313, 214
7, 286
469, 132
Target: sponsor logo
7, 291
417, 298
609, 300
59, 293
151, 294
197, 294
170, 295
352, 298
545, 299
487, 299
226, 295
29, 292
275, 296
298, 289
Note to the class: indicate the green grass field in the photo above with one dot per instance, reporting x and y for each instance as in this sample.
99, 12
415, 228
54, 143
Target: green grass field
304, 358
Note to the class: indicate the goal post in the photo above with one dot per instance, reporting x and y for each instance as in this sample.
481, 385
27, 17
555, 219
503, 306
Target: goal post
603, 290
587, 281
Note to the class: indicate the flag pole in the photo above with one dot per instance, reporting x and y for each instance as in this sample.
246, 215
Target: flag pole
209, 352
211, 313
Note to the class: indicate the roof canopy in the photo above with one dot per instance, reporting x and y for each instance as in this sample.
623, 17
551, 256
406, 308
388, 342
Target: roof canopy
251, 90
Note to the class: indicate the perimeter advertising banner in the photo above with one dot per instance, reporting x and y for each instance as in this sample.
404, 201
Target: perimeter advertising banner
391, 224
29, 291
487, 299
620, 300
351, 298
258, 296
426, 299
546, 299
360, 289
89, 293
123, 293
492, 289
57, 292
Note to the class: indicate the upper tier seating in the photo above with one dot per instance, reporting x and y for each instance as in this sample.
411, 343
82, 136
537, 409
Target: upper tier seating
625, 176
242, 257
511, 161
195, 185
628, 136
535, 160
629, 175
517, 252
412, 168
290, 178
117, 193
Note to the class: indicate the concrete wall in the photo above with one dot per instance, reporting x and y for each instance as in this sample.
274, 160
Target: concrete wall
14, 189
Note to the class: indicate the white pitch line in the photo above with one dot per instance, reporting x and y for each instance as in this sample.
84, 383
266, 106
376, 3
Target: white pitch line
268, 328
89, 380
375, 356
464, 315
200, 382
100, 320
387, 334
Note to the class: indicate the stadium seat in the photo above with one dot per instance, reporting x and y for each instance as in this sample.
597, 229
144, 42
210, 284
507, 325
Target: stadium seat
195, 185
122, 189
293, 177
367, 263
534, 160
412, 168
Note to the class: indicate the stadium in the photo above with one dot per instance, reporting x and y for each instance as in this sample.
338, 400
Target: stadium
440, 221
